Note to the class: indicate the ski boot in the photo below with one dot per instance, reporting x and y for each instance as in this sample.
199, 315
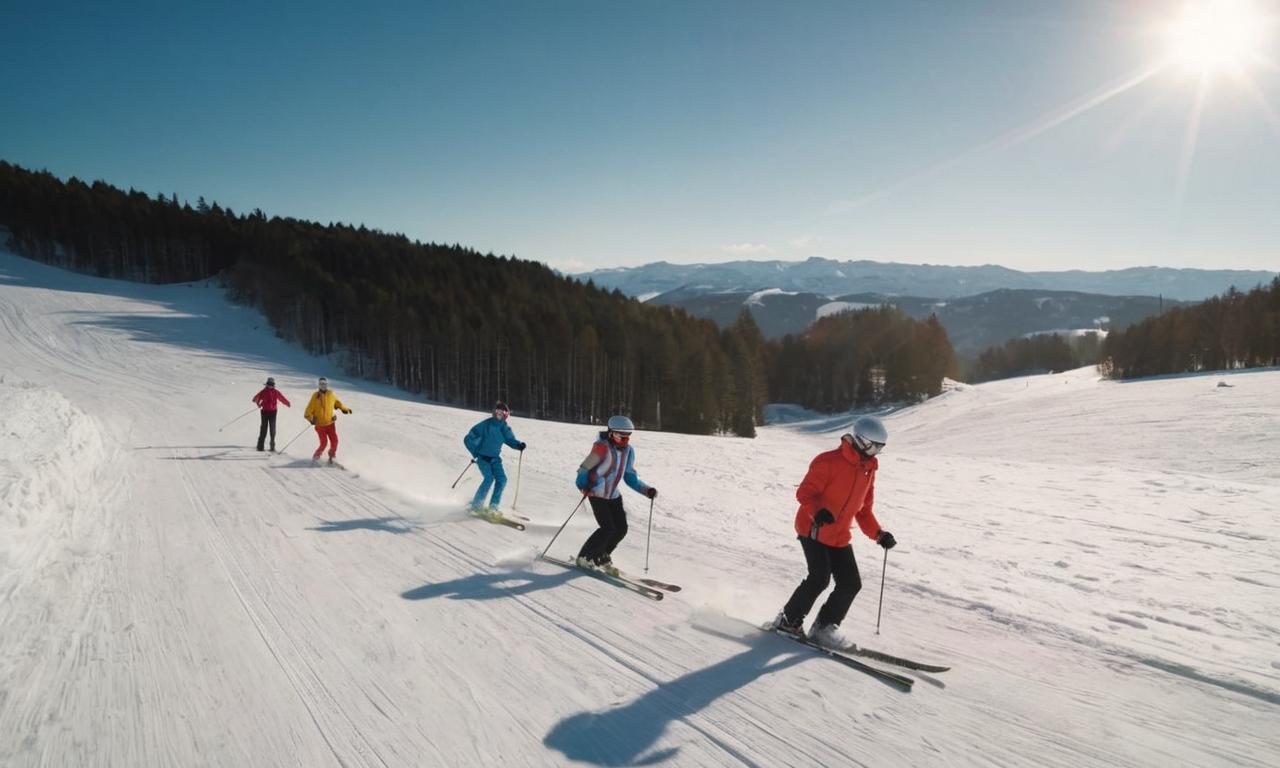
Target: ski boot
786, 626
829, 636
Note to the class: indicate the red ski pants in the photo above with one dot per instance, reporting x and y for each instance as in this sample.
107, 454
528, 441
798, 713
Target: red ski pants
327, 434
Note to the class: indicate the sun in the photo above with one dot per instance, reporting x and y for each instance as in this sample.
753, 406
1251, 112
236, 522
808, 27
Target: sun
1217, 36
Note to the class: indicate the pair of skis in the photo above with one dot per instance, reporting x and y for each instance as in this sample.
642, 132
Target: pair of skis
645, 587
500, 518
846, 656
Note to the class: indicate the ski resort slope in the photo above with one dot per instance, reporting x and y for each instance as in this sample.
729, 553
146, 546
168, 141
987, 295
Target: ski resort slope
1099, 562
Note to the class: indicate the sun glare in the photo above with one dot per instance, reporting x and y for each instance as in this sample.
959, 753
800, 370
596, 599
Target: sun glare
1213, 36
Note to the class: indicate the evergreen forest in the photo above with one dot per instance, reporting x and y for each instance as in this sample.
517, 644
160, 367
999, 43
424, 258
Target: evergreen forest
466, 328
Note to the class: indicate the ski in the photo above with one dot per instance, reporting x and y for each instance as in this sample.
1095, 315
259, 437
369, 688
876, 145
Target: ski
497, 518
621, 581
888, 676
897, 661
664, 586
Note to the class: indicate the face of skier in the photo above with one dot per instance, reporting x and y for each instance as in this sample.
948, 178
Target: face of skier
620, 438
324, 385
863, 445
501, 414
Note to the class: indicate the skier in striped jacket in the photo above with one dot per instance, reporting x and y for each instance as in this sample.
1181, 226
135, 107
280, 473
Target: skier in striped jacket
600, 478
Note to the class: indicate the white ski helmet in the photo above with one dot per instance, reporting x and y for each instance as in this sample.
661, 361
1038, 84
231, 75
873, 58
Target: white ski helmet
869, 435
621, 424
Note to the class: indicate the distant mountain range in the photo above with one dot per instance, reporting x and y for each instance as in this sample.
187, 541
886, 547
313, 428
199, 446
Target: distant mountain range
979, 306
826, 277
973, 322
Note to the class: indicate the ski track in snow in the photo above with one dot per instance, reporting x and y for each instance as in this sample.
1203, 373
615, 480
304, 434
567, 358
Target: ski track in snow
1099, 568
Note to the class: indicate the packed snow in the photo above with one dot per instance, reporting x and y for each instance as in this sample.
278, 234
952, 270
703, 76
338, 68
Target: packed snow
1098, 562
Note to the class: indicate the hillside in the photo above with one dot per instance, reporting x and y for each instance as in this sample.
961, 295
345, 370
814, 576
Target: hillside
1098, 567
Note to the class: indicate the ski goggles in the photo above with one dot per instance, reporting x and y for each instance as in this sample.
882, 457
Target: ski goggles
621, 437
869, 447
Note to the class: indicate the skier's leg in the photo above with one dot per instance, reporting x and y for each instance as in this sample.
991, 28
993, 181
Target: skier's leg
499, 482
324, 440
594, 546
262, 430
845, 570
486, 473
333, 439
819, 562
271, 422
617, 525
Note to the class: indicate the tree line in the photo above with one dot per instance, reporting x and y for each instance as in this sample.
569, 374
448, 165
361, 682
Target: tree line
861, 358
461, 327
1040, 353
1231, 331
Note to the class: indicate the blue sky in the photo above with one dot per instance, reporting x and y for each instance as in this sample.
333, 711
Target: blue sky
593, 134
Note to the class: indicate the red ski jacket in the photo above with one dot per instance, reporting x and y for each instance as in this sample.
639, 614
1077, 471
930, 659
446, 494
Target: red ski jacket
843, 482
268, 397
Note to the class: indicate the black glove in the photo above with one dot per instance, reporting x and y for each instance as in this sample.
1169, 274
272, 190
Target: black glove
651, 492
823, 517
347, 411
886, 540
313, 422
522, 446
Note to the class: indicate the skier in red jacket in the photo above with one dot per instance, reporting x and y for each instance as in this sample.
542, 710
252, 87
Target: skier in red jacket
267, 400
838, 489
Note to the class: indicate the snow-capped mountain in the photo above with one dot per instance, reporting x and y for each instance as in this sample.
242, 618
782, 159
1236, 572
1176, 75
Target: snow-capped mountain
828, 277
973, 323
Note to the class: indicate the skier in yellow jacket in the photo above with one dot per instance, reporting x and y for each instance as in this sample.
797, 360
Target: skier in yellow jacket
320, 412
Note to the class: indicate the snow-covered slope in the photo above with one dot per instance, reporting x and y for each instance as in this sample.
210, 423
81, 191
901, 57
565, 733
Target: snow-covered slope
1099, 562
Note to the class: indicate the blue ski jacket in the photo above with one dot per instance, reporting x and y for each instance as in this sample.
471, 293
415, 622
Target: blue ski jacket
485, 439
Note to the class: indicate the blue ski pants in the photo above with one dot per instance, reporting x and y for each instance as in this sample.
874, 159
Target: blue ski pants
494, 476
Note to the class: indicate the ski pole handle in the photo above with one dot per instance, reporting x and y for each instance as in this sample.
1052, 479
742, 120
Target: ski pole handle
648, 538
241, 416
562, 527
464, 471
881, 608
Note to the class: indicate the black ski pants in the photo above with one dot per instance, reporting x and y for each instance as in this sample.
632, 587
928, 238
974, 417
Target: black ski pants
268, 420
612, 519
825, 562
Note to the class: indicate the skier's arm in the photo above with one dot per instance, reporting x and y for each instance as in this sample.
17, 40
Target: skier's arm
310, 413
809, 494
586, 479
632, 479
257, 399
866, 519
509, 438
338, 404
471, 441
283, 399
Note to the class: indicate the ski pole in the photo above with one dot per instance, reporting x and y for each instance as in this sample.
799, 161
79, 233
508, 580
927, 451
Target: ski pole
464, 471
241, 416
566, 522
881, 608
519, 466
295, 437
648, 538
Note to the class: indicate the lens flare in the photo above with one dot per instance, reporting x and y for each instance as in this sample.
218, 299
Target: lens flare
1215, 36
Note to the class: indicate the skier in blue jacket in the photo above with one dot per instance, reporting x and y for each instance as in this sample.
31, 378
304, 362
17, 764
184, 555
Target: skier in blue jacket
484, 443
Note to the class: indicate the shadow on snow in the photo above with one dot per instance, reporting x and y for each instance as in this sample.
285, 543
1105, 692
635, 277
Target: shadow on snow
490, 586
626, 735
